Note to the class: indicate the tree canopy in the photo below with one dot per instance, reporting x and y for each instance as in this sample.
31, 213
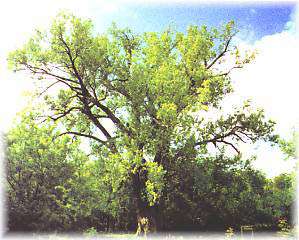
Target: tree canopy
141, 100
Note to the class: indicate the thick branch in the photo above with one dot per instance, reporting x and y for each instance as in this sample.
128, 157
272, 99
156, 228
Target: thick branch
114, 119
93, 118
85, 94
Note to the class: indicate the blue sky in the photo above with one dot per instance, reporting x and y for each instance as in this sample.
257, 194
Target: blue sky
253, 20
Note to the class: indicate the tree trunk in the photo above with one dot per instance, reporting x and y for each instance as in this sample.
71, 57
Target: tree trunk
146, 220
146, 216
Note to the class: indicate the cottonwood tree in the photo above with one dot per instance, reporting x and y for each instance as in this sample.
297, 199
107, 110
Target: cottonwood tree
153, 89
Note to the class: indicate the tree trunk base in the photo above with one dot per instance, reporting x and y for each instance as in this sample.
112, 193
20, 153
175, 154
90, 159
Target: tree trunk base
145, 225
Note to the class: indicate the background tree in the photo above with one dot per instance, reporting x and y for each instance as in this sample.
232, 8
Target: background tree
51, 185
153, 89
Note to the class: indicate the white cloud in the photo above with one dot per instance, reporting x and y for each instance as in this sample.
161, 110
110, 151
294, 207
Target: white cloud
271, 81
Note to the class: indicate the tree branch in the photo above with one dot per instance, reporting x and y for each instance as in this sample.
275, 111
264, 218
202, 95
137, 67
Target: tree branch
39, 70
114, 119
48, 87
223, 141
220, 139
239, 137
63, 114
83, 135
221, 54
228, 72
86, 95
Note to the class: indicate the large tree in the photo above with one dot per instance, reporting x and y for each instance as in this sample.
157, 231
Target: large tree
142, 99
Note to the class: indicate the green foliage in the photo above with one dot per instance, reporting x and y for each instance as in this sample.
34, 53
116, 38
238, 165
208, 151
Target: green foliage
280, 196
51, 185
289, 146
155, 183
39, 171
192, 194
90, 232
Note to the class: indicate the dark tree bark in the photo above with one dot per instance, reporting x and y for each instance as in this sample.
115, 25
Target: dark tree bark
146, 215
